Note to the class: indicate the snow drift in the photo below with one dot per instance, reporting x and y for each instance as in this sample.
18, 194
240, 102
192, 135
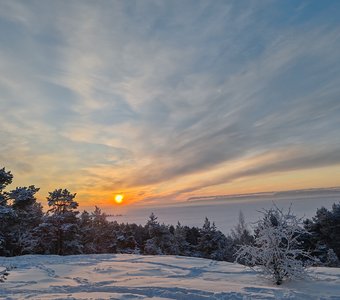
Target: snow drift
122, 276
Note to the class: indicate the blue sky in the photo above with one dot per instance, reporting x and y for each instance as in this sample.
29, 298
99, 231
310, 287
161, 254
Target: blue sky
164, 100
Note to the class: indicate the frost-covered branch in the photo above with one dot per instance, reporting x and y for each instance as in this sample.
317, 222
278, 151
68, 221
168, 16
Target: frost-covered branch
277, 252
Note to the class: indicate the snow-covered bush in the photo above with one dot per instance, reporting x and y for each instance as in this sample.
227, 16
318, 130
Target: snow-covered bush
277, 252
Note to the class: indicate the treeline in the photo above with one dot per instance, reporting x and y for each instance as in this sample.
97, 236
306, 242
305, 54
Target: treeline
62, 230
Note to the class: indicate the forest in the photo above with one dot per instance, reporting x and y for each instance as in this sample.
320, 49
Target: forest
62, 230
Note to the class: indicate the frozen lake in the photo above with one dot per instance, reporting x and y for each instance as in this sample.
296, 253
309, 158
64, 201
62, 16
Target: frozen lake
225, 212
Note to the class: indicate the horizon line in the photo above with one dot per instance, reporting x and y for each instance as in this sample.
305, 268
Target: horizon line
259, 194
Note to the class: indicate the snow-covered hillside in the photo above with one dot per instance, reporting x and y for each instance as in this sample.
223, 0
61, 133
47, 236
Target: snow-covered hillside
151, 277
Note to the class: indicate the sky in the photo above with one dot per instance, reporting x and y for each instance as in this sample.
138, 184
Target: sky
165, 100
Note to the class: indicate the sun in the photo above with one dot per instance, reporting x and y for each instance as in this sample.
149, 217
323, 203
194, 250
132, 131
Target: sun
119, 198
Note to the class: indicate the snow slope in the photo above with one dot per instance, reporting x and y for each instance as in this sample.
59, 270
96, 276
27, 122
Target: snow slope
151, 277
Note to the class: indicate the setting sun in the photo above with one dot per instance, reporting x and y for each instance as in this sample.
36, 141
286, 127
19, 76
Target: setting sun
119, 198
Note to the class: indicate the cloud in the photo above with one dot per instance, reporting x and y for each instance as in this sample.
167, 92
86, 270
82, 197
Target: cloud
280, 161
143, 94
249, 117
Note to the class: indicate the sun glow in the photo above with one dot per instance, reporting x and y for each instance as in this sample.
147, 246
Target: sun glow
119, 198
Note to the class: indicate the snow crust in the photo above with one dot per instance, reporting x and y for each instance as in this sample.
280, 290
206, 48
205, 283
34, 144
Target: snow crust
123, 276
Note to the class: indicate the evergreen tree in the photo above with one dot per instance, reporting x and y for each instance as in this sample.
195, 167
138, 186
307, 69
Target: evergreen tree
192, 237
241, 234
125, 240
5, 179
160, 241
19, 215
183, 245
62, 202
102, 232
212, 243
59, 233
7, 215
28, 214
7, 221
140, 235
205, 245
325, 232
87, 233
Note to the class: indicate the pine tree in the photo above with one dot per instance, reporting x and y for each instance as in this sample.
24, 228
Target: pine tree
59, 233
5, 179
160, 241
325, 232
28, 214
180, 239
61, 202
102, 232
7, 221
212, 243
87, 234
241, 233
125, 240
19, 215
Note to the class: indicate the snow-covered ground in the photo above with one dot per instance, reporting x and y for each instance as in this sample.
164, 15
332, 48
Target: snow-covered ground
151, 277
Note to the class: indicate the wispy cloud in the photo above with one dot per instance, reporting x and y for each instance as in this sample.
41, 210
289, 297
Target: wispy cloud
142, 95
